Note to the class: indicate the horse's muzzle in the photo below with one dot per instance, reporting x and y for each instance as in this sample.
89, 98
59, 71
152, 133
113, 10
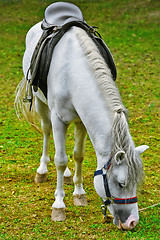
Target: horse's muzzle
130, 223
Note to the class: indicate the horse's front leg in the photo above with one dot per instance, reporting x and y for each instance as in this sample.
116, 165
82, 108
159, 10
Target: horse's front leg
44, 113
61, 160
79, 151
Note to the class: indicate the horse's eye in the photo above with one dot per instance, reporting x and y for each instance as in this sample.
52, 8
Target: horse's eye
121, 185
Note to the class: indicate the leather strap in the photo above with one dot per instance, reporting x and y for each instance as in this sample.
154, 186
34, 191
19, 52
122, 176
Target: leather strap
109, 198
125, 200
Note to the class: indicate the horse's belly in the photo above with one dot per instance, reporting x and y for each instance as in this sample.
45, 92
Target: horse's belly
62, 104
67, 116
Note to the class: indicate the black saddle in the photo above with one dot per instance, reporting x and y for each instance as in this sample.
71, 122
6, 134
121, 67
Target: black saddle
59, 18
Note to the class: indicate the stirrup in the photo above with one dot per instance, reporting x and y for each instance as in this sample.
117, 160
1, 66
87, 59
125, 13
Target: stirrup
28, 94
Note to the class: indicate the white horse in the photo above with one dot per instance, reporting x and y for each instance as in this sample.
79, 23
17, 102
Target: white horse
80, 89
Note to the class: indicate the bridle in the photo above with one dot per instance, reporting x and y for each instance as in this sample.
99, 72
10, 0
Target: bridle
109, 198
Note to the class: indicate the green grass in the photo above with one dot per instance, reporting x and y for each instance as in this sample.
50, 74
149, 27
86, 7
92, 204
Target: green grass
131, 30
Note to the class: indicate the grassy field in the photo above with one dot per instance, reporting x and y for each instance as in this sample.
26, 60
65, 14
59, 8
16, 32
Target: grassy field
131, 30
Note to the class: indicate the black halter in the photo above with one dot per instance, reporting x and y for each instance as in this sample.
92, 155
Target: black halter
109, 198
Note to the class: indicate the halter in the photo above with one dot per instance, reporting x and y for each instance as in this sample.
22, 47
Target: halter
109, 198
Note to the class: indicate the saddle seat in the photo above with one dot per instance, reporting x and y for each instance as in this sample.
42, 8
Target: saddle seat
60, 13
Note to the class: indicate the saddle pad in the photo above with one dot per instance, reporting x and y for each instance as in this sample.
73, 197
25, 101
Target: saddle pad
42, 55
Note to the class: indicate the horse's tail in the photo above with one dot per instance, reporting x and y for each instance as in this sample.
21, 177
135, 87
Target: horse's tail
23, 108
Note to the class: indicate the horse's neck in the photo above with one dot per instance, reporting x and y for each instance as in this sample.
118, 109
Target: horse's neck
81, 92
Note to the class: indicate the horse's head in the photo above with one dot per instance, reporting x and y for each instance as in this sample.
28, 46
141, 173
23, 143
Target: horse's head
116, 183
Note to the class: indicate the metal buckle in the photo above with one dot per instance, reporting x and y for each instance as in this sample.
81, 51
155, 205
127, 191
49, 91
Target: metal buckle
92, 30
108, 201
111, 199
28, 95
56, 29
104, 209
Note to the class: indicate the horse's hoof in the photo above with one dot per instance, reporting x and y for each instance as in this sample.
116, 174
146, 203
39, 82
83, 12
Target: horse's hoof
80, 200
58, 214
68, 180
40, 178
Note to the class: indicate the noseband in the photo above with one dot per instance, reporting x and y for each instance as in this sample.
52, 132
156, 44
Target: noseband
109, 198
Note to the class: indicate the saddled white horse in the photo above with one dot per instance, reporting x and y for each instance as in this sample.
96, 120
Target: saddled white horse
80, 89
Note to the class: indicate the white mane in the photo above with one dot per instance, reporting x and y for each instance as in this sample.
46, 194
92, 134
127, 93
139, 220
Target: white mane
101, 71
120, 130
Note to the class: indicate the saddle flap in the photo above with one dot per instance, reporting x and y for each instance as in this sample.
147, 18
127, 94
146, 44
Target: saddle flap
60, 13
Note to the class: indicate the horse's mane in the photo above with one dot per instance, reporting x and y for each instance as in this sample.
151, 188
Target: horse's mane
120, 130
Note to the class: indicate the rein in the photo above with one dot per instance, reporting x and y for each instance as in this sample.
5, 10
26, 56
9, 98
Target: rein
109, 198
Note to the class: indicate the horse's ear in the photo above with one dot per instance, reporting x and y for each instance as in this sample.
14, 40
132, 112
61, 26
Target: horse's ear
119, 156
141, 149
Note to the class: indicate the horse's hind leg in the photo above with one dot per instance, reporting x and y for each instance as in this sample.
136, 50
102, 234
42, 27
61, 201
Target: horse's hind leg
79, 151
67, 176
44, 113
61, 160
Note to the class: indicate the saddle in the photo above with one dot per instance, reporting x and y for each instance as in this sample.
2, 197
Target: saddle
60, 13
59, 18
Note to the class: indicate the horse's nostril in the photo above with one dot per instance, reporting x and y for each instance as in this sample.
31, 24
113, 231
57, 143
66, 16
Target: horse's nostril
132, 224
129, 225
